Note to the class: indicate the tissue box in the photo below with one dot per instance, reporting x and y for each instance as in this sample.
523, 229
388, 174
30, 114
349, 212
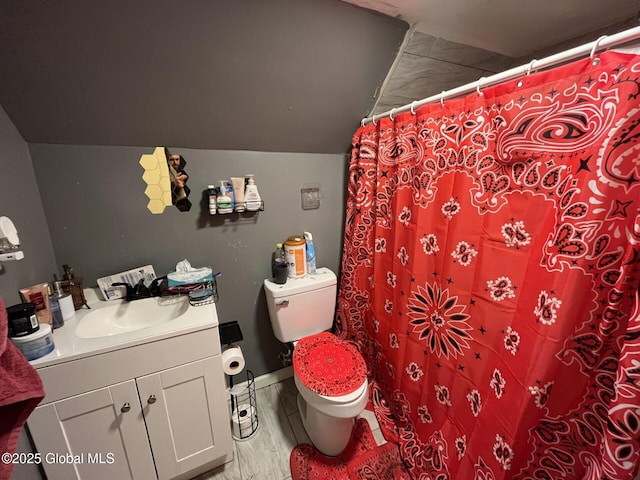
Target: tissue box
131, 277
195, 275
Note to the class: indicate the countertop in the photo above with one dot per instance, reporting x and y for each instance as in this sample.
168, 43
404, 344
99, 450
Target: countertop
69, 346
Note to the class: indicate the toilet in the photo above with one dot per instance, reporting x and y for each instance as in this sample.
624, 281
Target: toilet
329, 373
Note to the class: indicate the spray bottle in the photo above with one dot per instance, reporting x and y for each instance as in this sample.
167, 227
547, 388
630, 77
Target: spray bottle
311, 253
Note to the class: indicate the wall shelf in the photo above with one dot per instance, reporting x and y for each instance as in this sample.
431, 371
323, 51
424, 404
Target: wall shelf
243, 211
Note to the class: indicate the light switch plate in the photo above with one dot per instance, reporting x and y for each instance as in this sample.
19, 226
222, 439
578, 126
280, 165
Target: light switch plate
310, 198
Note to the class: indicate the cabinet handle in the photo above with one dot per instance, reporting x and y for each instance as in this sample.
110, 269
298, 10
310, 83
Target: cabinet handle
151, 399
125, 408
282, 303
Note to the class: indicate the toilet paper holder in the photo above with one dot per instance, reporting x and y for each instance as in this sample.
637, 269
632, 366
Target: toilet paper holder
244, 409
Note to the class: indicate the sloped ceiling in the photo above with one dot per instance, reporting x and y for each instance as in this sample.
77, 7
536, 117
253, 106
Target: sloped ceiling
277, 75
509, 27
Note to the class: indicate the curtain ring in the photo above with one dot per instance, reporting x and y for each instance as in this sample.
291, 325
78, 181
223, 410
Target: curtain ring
413, 110
595, 60
442, 98
391, 114
478, 86
530, 67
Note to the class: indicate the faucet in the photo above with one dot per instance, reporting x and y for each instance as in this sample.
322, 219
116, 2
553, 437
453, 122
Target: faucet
136, 292
156, 288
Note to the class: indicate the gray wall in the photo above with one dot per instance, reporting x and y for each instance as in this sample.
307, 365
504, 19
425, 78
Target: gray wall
20, 201
96, 208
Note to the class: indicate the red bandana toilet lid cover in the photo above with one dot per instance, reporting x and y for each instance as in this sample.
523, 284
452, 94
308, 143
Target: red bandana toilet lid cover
328, 366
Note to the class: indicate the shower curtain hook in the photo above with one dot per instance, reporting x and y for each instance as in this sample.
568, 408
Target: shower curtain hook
362, 122
442, 98
530, 67
478, 86
413, 110
596, 61
391, 114
373, 120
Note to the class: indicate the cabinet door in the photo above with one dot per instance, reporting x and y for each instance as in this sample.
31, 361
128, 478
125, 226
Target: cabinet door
92, 437
185, 409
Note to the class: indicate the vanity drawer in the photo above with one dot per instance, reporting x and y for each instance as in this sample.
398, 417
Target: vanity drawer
83, 375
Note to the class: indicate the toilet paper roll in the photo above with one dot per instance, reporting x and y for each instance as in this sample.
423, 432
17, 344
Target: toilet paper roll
244, 422
232, 360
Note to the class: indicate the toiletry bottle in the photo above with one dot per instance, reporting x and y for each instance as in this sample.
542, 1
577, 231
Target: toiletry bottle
223, 202
251, 195
311, 253
65, 300
212, 199
238, 193
74, 286
280, 253
279, 267
278, 258
56, 313
229, 188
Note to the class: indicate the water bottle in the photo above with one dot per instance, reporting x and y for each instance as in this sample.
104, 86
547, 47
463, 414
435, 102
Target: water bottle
279, 265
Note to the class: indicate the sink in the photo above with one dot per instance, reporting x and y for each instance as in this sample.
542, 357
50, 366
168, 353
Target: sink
128, 317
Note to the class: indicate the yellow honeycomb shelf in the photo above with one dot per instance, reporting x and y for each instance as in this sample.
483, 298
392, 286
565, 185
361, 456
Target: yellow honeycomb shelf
156, 176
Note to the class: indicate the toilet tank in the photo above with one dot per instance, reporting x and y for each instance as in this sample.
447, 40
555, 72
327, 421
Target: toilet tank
302, 306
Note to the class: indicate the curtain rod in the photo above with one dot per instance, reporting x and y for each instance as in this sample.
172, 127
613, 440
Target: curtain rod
589, 48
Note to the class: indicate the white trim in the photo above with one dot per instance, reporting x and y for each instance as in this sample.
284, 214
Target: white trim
270, 378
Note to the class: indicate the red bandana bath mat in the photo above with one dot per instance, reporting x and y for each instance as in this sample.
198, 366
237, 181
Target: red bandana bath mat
381, 463
307, 463
328, 365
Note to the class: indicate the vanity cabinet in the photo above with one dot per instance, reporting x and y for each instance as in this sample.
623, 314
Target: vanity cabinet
171, 423
69, 431
184, 410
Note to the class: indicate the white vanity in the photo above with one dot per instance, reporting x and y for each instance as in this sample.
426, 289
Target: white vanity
133, 391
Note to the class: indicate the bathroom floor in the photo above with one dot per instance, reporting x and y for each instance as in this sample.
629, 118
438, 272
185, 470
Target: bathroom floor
266, 454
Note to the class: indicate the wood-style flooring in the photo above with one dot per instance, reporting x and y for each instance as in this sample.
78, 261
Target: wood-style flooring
266, 454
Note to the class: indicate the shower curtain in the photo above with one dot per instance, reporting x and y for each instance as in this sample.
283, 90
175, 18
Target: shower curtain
490, 276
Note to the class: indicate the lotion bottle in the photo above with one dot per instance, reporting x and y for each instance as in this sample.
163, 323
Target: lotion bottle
251, 195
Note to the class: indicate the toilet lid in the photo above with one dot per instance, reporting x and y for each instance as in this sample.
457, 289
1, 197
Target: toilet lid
329, 366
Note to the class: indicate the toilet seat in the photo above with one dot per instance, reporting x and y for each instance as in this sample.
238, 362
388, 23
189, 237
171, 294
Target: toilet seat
330, 367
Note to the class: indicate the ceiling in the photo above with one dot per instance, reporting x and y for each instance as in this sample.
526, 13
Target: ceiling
510, 27
277, 75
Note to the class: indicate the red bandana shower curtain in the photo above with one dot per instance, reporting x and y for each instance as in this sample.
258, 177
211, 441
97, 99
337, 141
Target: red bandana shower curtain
490, 276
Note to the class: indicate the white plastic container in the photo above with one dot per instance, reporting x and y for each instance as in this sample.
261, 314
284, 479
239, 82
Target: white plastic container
37, 344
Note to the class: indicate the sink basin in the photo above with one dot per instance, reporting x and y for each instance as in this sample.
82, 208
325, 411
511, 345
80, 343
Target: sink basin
127, 317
